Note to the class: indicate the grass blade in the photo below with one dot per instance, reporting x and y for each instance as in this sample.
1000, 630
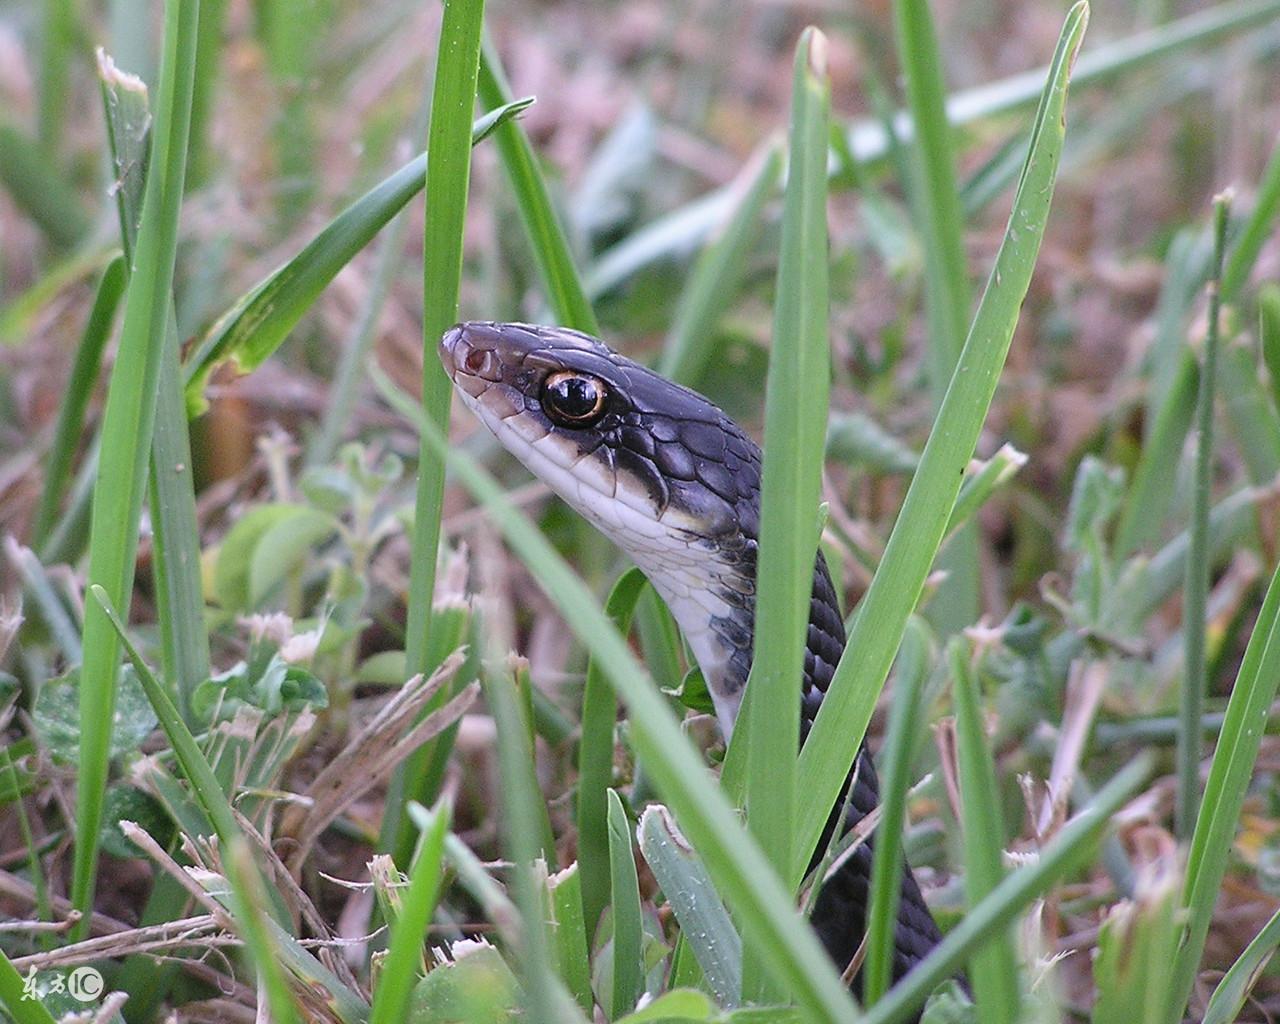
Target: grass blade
716, 277
80, 384
24, 1010
994, 969
248, 897
546, 236
795, 426
1196, 594
404, 950
900, 745
825, 760
704, 923
126, 435
1229, 777
595, 759
1228, 998
1257, 229
628, 966
259, 321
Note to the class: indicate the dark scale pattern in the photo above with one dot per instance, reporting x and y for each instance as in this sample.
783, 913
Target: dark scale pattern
689, 455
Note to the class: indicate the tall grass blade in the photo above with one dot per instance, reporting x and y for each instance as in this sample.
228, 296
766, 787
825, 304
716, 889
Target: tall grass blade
1229, 776
795, 428
39, 190
126, 434
448, 171
829, 751
1257, 229
1196, 594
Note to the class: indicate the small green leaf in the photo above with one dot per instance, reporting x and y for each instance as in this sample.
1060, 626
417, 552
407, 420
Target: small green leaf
57, 716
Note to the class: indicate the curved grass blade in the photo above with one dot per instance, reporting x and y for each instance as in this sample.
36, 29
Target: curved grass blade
1016, 891
260, 320
1228, 998
842, 721
14, 999
127, 428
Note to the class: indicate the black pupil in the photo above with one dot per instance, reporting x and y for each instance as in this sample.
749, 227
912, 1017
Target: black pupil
574, 398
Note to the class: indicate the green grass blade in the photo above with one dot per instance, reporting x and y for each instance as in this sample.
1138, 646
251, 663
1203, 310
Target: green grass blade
1018, 889
195, 766
994, 969
742, 874
404, 950
1229, 776
23, 1010
704, 923
795, 429
1147, 502
248, 897
595, 759
716, 277
126, 435
179, 599
1196, 594
522, 807
1257, 229
448, 169
39, 190
935, 196
900, 744
1250, 411
84, 374
873, 642
209, 49
1229, 997
260, 320
628, 967
565, 293
1135, 954
564, 891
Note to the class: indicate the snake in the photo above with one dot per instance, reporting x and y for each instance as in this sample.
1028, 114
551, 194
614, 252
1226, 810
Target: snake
674, 483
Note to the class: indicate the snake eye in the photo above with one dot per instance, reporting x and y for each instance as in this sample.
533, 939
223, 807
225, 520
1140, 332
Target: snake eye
573, 399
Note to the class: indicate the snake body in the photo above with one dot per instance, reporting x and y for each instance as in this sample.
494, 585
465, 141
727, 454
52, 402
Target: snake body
675, 484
